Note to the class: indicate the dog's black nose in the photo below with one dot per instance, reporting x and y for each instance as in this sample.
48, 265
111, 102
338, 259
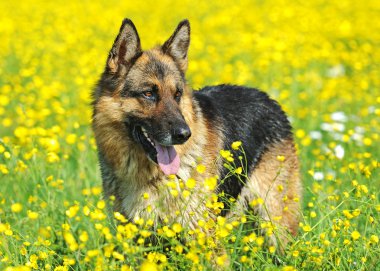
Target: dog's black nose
181, 134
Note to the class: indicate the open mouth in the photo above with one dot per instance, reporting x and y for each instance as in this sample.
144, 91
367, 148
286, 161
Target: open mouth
165, 156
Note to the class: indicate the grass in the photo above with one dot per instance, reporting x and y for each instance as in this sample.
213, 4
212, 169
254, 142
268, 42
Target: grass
319, 59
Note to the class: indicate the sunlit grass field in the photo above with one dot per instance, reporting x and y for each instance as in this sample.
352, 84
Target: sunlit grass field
319, 59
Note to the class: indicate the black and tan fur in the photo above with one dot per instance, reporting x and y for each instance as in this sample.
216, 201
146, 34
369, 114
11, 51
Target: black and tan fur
147, 90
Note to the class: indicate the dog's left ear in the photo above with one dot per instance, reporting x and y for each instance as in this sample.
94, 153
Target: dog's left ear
178, 44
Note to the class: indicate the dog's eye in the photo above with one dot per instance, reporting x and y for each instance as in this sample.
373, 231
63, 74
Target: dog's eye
177, 95
149, 95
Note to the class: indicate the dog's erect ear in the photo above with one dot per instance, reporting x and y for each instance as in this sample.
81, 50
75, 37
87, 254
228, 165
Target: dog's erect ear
125, 47
178, 44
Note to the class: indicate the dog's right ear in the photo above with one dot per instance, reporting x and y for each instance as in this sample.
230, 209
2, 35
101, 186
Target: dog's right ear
125, 47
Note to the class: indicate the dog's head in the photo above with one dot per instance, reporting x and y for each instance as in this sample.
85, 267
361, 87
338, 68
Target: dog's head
144, 90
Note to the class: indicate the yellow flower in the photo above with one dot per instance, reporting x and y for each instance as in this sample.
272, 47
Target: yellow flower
72, 211
83, 237
355, 235
21, 132
210, 183
101, 204
306, 228
86, 210
97, 190
44, 232
145, 233
70, 240
3, 169
186, 194
280, 158
148, 266
225, 153
32, 215
7, 155
260, 240
71, 139
239, 170
190, 183
235, 145
201, 168
258, 201
346, 242
68, 261
174, 193
92, 253
374, 239
289, 268
125, 268
168, 232
177, 227
52, 157
118, 256
300, 133
179, 249
16, 207
367, 141
221, 260
23, 251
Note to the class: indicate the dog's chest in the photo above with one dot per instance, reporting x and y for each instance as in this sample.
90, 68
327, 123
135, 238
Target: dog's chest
146, 193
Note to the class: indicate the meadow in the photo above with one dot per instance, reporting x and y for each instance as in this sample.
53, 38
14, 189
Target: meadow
320, 59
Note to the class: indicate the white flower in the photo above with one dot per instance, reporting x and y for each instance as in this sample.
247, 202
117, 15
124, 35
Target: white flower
339, 152
339, 116
336, 71
359, 129
338, 127
333, 127
315, 135
371, 109
357, 137
326, 127
318, 176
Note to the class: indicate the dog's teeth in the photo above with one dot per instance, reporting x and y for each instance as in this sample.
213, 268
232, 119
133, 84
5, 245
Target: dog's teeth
145, 133
151, 141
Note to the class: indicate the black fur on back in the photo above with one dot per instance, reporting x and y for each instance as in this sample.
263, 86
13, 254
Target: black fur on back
247, 115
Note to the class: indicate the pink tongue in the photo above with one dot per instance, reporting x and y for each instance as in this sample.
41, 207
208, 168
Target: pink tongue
167, 158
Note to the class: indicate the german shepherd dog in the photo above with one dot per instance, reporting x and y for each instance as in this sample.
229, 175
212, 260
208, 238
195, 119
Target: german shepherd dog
152, 130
